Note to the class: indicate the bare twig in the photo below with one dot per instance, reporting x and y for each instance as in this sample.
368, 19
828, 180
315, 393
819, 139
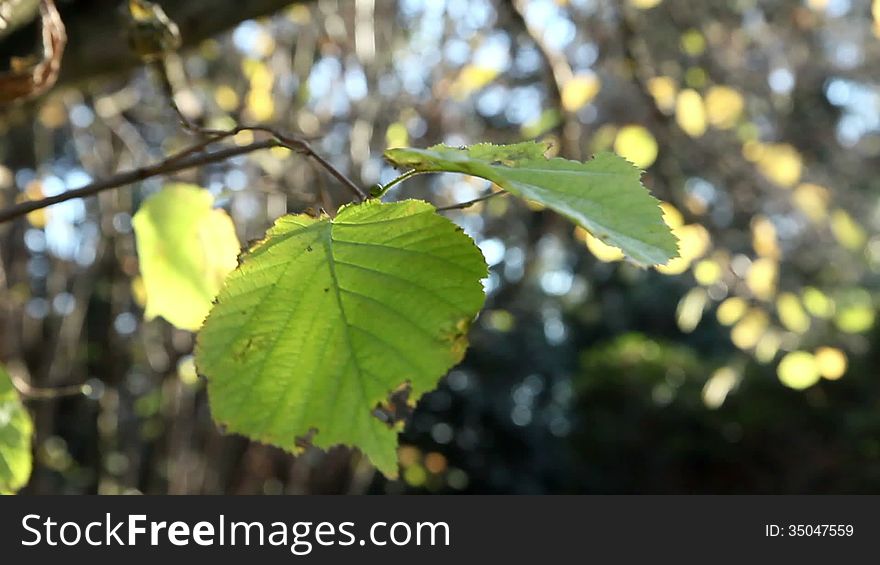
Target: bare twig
295, 144
469, 203
26, 390
170, 165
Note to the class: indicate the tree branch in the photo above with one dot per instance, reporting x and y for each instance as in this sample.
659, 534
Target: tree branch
98, 44
170, 165
187, 159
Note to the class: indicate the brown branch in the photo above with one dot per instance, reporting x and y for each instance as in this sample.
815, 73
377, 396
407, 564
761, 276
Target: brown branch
296, 144
187, 159
170, 165
38, 393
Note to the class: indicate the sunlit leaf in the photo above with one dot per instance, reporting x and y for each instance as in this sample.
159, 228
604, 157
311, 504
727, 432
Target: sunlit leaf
847, 231
761, 278
718, 386
186, 248
832, 362
664, 90
746, 333
798, 370
690, 309
470, 79
854, 311
812, 201
690, 113
636, 144
779, 162
692, 42
764, 239
16, 429
693, 242
324, 319
731, 310
604, 195
579, 91
600, 251
724, 106
396, 135
792, 314
817, 303
707, 272
644, 4
768, 346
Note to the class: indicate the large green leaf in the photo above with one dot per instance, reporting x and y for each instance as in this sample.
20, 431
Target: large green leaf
325, 318
186, 248
604, 195
16, 428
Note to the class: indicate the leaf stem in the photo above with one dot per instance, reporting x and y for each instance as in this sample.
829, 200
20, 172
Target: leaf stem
469, 203
380, 192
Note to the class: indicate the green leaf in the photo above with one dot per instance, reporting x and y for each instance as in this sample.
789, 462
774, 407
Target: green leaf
604, 195
186, 248
16, 429
324, 319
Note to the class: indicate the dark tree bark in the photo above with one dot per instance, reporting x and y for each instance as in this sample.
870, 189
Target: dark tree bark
97, 43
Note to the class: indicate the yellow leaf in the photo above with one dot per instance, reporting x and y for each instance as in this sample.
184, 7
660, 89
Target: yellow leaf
724, 106
764, 237
832, 362
707, 272
847, 231
671, 215
779, 162
855, 311
792, 314
601, 250
664, 90
579, 91
875, 13
761, 278
471, 79
690, 113
746, 333
644, 4
397, 135
186, 248
811, 200
636, 144
818, 304
731, 310
798, 370
693, 242
693, 43
718, 386
767, 346
690, 309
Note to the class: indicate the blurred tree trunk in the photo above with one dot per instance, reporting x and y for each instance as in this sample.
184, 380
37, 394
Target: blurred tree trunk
97, 44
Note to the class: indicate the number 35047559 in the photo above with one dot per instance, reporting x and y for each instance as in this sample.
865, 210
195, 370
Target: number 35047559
809, 530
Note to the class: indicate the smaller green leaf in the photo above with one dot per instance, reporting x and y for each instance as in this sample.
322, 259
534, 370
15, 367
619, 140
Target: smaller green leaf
604, 195
16, 429
186, 248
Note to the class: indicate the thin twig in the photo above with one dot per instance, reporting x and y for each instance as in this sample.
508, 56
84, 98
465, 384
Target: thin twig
26, 390
469, 203
295, 144
170, 165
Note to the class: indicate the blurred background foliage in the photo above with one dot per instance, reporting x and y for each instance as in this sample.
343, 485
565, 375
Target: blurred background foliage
746, 365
